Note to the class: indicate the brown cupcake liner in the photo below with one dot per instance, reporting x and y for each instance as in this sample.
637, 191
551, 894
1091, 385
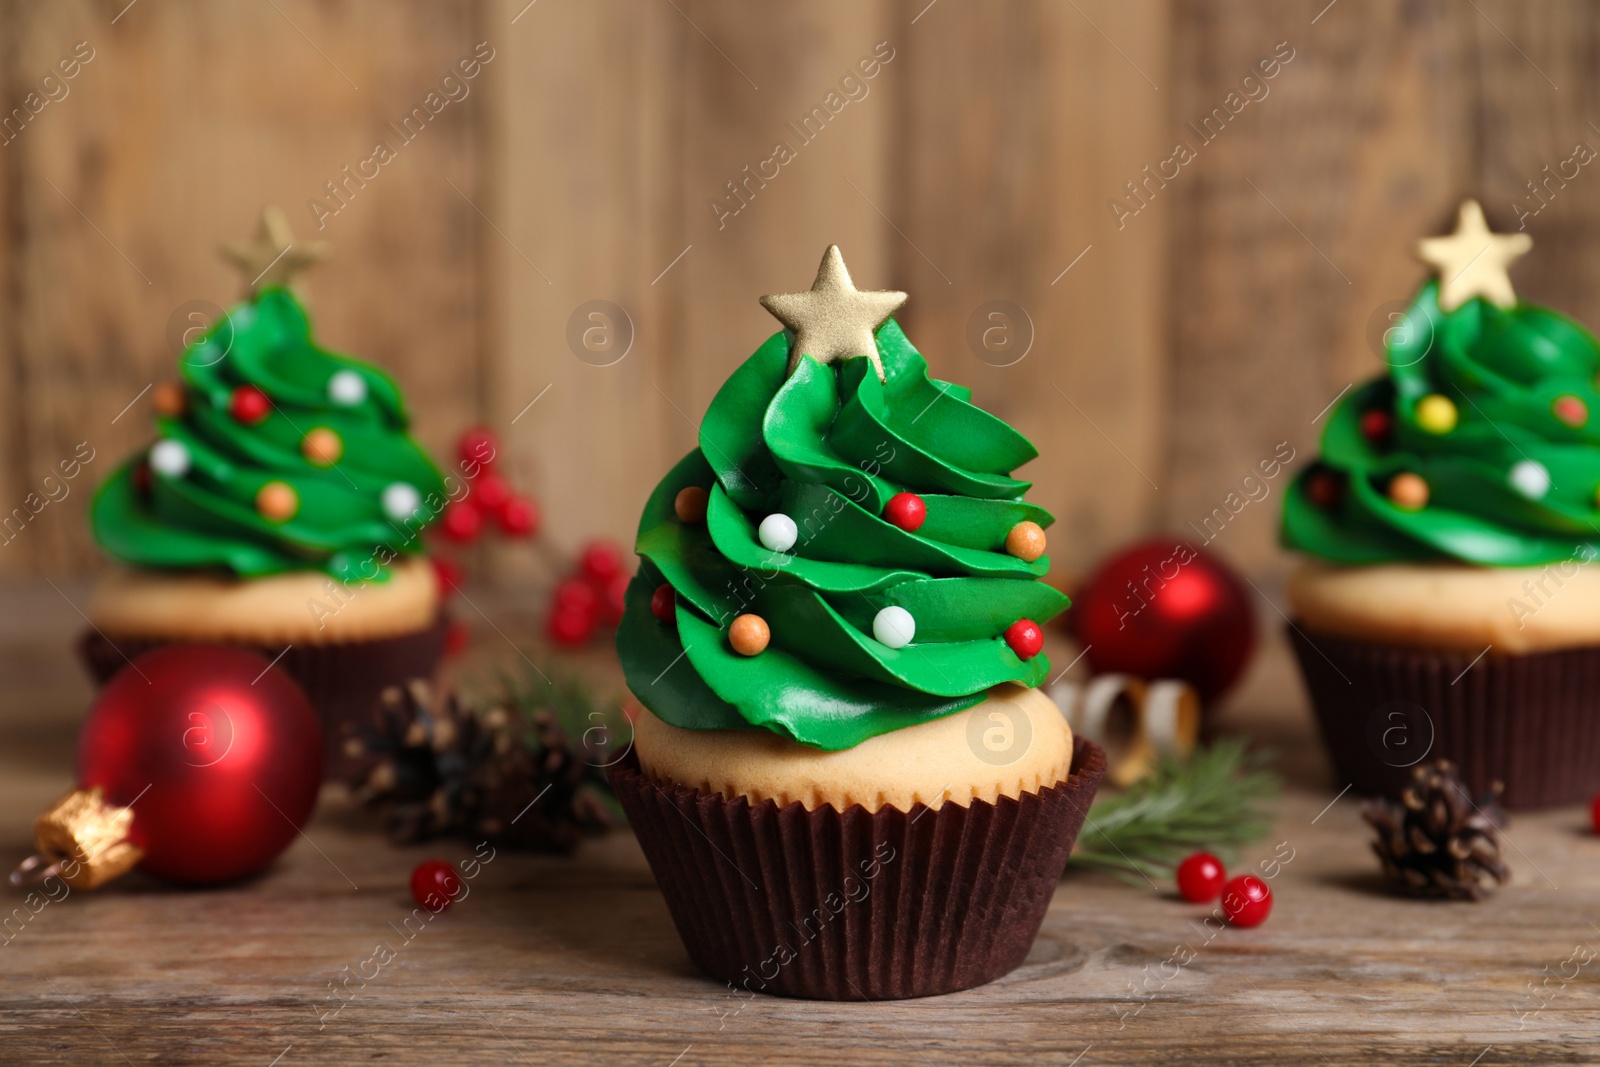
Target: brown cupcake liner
1531, 722
854, 905
342, 681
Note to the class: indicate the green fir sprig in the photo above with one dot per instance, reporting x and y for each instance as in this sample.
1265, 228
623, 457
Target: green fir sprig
1217, 799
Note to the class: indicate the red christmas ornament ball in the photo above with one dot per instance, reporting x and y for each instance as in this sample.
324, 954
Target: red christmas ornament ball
1376, 425
664, 606
1166, 609
600, 562
478, 446
1247, 901
435, 885
249, 405
1025, 638
218, 753
519, 517
906, 510
493, 492
1200, 877
462, 522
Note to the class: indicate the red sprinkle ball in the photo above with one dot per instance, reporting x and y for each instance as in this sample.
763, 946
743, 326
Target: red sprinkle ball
435, 885
1376, 425
249, 405
1200, 877
664, 606
1025, 638
1247, 901
906, 510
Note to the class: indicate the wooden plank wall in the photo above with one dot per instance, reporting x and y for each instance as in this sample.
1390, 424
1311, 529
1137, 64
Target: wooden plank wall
1172, 347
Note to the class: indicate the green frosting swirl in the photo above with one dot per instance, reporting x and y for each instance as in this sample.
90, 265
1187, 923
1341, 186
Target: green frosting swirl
828, 446
199, 510
1512, 483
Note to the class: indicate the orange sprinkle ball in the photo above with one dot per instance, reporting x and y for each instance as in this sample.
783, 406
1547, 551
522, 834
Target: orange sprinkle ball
748, 634
322, 447
690, 504
277, 502
1026, 541
169, 399
1408, 491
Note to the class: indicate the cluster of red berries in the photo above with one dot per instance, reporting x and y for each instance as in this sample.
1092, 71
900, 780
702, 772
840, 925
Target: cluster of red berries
589, 596
489, 497
1246, 900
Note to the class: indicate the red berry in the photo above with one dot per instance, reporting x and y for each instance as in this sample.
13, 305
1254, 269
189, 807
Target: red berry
462, 522
478, 446
249, 405
664, 606
435, 885
614, 603
1594, 812
1376, 425
601, 561
493, 492
1025, 638
906, 510
520, 517
1200, 877
570, 627
456, 638
1246, 901
575, 594
448, 573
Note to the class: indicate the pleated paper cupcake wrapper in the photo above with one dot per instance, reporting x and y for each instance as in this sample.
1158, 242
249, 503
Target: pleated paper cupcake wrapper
342, 681
1529, 721
857, 905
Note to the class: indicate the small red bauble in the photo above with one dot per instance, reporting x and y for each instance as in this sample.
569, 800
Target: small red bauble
1166, 609
1247, 901
519, 517
1594, 814
492, 492
1025, 638
1200, 877
1324, 490
435, 885
218, 752
906, 510
1376, 425
462, 522
478, 446
601, 561
664, 606
249, 405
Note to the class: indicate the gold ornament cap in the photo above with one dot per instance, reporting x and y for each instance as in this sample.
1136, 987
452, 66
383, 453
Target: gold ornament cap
83, 840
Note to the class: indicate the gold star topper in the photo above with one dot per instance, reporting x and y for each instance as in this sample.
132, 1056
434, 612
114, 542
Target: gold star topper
272, 256
834, 320
1472, 261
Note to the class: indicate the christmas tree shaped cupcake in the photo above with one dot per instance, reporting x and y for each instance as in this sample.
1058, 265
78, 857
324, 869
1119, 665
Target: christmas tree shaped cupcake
835, 629
280, 506
1450, 606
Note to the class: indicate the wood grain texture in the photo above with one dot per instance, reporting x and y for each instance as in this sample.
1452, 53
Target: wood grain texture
1004, 174
556, 961
166, 144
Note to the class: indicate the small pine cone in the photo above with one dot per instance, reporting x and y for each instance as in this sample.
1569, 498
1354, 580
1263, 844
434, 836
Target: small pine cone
1437, 841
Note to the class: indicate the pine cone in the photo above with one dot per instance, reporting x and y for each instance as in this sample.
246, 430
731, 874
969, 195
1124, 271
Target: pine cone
499, 775
1437, 842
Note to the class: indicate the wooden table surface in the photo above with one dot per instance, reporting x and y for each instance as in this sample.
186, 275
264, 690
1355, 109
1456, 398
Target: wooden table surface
574, 960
